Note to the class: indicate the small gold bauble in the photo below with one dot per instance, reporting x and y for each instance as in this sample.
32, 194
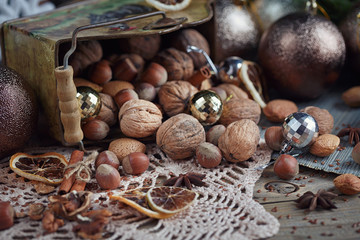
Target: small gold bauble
206, 106
89, 102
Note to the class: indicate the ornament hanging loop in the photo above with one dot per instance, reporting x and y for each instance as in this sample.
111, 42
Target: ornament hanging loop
312, 7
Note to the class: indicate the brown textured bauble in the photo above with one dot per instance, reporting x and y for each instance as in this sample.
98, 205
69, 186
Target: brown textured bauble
302, 54
349, 29
18, 111
179, 136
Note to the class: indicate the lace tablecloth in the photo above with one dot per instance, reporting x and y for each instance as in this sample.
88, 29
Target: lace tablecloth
224, 210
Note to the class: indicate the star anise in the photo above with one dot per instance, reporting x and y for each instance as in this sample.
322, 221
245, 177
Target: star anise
186, 180
321, 198
354, 134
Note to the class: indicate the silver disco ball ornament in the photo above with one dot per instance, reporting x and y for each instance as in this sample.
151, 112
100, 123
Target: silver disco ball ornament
299, 130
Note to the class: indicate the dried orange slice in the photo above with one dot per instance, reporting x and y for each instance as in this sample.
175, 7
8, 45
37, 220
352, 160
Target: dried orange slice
48, 167
169, 5
170, 200
136, 198
253, 81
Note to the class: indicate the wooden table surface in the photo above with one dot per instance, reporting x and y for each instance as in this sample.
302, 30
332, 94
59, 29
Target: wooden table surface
340, 223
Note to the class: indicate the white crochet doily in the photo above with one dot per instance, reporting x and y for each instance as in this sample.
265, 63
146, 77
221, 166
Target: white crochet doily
224, 210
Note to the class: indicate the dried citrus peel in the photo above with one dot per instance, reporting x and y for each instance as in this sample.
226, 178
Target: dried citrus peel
244, 76
136, 198
47, 167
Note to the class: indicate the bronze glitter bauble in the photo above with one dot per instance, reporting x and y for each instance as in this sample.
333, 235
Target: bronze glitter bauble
18, 111
206, 106
302, 54
89, 102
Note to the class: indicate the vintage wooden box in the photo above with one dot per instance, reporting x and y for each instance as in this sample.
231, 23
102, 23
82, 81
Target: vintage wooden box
34, 46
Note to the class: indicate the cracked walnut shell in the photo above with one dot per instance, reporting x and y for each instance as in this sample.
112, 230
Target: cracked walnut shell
139, 118
179, 136
240, 140
175, 95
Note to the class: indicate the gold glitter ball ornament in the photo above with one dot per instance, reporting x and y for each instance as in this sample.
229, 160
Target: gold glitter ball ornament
206, 106
89, 102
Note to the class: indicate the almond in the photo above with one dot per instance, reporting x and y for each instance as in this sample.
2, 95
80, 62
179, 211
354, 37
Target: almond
352, 96
277, 110
347, 184
325, 145
323, 118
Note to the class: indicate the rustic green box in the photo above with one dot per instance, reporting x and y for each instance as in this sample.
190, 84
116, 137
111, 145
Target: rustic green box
31, 46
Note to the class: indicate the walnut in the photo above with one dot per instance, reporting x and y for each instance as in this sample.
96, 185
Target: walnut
236, 109
233, 91
50, 223
136, 59
145, 46
240, 140
192, 37
139, 118
86, 53
109, 110
323, 118
179, 136
175, 95
178, 64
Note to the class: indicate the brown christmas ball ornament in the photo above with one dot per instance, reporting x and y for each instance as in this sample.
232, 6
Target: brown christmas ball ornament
18, 111
302, 54
179, 136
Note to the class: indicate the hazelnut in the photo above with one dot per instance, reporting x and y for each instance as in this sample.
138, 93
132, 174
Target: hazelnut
286, 167
100, 72
323, 118
155, 74
175, 95
139, 118
146, 91
95, 129
233, 91
274, 137
240, 140
178, 64
192, 37
352, 96
277, 110
124, 146
356, 153
145, 46
179, 136
325, 145
107, 177
214, 133
236, 109
208, 155
7, 214
348, 184
107, 157
125, 95
108, 111
81, 82
125, 70
113, 87
135, 163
